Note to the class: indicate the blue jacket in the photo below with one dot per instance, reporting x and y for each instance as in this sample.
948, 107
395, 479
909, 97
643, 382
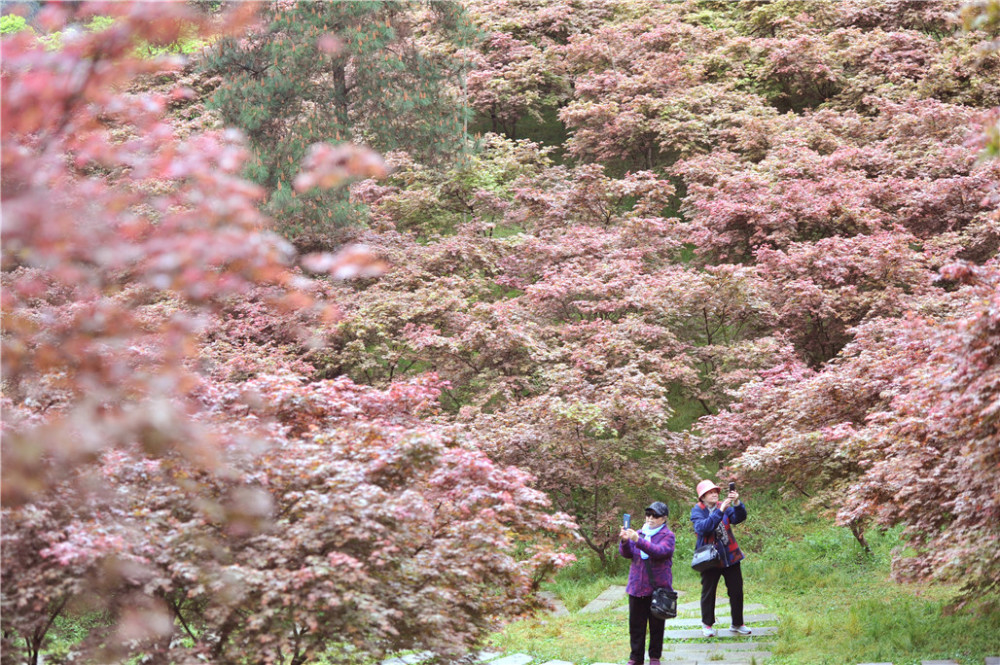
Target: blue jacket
705, 521
660, 549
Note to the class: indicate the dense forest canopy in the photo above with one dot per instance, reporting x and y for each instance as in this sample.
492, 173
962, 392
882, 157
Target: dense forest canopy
315, 314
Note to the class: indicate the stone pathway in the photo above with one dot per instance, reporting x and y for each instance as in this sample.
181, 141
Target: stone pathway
611, 596
558, 608
726, 647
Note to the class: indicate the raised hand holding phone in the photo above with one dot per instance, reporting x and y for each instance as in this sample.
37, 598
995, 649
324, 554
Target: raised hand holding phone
733, 498
627, 521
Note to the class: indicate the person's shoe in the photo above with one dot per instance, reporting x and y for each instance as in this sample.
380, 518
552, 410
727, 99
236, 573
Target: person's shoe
634, 662
654, 661
707, 631
742, 630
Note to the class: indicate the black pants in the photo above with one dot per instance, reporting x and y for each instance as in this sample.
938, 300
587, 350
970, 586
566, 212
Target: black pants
638, 617
734, 584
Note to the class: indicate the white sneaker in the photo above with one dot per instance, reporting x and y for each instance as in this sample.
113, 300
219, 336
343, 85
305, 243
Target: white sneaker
742, 630
707, 631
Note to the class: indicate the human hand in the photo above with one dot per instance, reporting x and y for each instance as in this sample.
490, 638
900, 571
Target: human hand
734, 497
725, 504
623, 534
633, 535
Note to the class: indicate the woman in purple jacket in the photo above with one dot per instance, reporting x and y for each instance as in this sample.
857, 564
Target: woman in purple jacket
654, 543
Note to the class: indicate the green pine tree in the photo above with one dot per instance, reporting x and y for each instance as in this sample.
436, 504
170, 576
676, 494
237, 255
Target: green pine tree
385, 73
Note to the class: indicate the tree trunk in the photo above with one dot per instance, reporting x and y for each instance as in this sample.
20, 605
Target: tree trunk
600, 551
340, 100
34, 649
859, 535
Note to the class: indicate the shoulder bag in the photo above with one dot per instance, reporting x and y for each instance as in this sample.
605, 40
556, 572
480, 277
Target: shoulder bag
664, 604
705, 558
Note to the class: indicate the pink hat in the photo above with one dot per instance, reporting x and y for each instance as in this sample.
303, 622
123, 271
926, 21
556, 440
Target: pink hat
705, 486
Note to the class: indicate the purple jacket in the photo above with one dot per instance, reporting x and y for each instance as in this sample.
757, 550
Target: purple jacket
661, 556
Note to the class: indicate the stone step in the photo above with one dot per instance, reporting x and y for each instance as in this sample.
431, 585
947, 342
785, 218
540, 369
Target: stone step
736, 659
610, 597
719, 654
558, 608
720, 634
695, 608
724, 621
513, 659
743, 657
719, 604
707, 662
409, 659
711, 647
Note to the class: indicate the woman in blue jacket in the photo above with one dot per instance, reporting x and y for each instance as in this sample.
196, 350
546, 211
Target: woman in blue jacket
713, 525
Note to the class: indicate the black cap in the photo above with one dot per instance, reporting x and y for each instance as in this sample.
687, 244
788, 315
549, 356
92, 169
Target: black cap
658, 508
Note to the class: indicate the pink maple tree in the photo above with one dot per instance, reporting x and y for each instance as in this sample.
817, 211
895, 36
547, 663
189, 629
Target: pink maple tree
206, 516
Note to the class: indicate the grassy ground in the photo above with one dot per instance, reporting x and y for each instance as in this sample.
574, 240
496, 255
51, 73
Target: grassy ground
836, 602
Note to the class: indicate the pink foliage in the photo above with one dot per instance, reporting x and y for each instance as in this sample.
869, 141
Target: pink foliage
168, 455
893, 429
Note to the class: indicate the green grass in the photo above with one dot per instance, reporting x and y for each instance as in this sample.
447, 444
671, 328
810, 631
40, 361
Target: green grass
580, 583
837, 604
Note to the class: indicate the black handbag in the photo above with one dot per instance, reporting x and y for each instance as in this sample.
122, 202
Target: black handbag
705, 558
664, 603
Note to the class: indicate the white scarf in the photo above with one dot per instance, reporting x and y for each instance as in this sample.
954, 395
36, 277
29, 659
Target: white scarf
649, 534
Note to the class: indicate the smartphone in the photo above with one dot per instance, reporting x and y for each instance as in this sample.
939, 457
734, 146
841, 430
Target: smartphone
627, 521
732, 486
